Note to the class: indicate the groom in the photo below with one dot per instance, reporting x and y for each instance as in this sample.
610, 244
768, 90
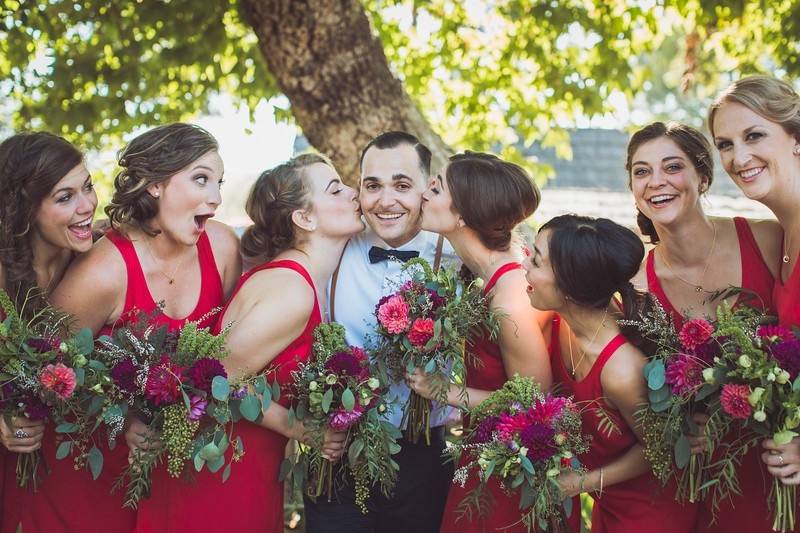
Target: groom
395, 171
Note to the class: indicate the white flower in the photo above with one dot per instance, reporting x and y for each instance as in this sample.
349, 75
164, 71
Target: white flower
744, 361
755, 396
373, 383
479, 283
313, 385
708, 375
783, 377
760, 416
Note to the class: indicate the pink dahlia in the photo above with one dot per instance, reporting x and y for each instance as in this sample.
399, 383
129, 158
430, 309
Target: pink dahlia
203, 372
163, 382
421, 332
695, 332
543, 412
393, 315
734, 400
59, 379
774, 333
510, 425
684, 373
342, 419
197, 408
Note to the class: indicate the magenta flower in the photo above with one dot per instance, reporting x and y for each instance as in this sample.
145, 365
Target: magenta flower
393, 315
684, 373
734, 400
510, 425
538, 438
483, 433
695, 332
197, 408
203, 371
163, 384
58, 379
421, 332
774, 333
545, 412
342, 419
344, 363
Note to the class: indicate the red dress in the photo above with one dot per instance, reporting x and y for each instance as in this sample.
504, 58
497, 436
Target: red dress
748, 511
786, 296
489, 375
635, 505
70, 501
252, 498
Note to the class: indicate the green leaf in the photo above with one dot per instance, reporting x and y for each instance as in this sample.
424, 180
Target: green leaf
291, 416
526, 464
286, 469
95, 459
394, 448
66, 427
220, 388
705, 391
567, 506
796, 384
660, 407
261, 384
348, 400
215, 464
327, 398
210, 452
784, 437
80, 376
276, 391
430, 366
251, 408
683, 452
226, 473
657, 376
63, 449
266, 399
84, 341
526, 497
354, 451
199, 462
657, 396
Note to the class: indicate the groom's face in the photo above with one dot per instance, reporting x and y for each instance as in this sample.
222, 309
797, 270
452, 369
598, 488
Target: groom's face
392, 183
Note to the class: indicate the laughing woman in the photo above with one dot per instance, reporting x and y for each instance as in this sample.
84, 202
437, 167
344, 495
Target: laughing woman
670, 166
46, 210
302, 216
755, 124
577, 267
162, 248
476, 203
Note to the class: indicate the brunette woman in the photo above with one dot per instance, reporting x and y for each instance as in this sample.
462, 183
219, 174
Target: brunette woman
476, 202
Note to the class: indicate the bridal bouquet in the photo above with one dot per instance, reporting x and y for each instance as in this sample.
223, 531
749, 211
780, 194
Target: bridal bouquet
425, 324
175, 382
525, 439
40, 369
338, 390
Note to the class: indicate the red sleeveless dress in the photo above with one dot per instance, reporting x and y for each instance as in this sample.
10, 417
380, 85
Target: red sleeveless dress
636, 505
252, 498
786, 296
748, 511
489, 375
70, 501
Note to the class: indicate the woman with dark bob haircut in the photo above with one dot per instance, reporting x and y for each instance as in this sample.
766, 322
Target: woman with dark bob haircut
670, 167
577, 266
47, 204
163, 247
476, 203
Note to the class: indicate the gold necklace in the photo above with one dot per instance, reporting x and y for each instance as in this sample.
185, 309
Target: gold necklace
583, 351
698, 287
170, 279
787, 242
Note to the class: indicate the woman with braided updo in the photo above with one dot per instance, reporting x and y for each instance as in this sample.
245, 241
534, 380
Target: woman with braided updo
302, 217
46, 210
163, 248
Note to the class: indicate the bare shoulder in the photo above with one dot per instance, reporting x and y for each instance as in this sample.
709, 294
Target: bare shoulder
102, 268
222, 237
623, 373
509, 294
280, 289
639, 280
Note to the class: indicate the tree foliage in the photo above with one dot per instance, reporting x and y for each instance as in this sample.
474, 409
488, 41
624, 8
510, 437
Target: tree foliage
489, 75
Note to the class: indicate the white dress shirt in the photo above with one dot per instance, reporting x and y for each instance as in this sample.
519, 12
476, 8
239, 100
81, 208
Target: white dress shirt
359, 286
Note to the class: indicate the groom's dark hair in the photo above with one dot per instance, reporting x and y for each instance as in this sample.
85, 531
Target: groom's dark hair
393, 139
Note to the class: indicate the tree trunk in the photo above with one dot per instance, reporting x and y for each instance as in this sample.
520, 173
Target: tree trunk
334, 72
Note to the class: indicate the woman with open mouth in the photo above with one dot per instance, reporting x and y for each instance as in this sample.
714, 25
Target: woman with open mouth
163, 257
696, 257
48, 203
755, 124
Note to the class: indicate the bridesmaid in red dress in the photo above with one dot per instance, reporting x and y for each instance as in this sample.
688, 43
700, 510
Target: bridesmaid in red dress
476, 203
162, 248
755, 124
45, 220
577, 266
670, 166
303, 216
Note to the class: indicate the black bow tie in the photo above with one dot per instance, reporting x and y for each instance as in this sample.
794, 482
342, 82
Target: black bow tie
377, 254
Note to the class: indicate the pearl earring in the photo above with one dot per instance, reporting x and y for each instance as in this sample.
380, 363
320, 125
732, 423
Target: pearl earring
796, 150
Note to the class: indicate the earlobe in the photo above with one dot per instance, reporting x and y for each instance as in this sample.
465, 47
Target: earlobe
154, 190
796, 150
302, 220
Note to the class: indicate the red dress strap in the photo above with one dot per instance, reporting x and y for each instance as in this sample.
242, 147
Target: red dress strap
498, 273
756, 276
654, 287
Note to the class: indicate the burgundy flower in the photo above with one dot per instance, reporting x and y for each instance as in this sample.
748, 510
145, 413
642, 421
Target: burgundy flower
344, 363
684, 373
707, 351
124, 375
538, 438
483, 433
41, 345
436, 300
203, 371
34, 408
774, 333
163, 382
787, 353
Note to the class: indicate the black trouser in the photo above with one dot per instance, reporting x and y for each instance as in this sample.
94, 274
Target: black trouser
417, 504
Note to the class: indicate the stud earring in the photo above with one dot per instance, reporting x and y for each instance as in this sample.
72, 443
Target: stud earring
796, 150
